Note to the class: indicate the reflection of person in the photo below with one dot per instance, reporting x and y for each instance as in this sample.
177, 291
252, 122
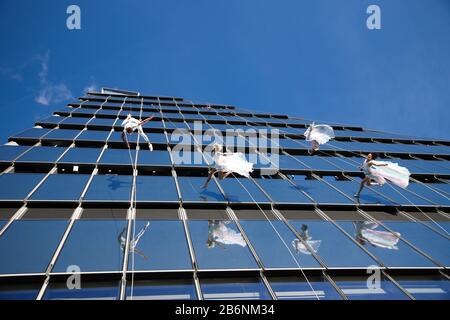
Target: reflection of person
300, 247
130, 125
228, 162
380, 171
365, 232
318, 134
222, 235
133, 242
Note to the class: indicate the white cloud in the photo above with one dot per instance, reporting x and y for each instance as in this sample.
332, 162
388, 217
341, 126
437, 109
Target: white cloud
92, 86
49, 92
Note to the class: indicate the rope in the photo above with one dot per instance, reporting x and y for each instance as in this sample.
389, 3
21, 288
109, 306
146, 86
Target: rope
279, 236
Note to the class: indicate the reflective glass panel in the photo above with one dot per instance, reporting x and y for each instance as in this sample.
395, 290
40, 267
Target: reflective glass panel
162, 290
282, 191
9, 153
234, 289
156, 189
242, 190
81, 155
61, 187
297, 288
192, 191
19, 185
88, 291
109, 188
42, 154
218, 244
426, 288
28, 291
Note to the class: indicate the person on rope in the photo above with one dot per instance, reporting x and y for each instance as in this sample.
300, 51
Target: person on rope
377, 172
318, 134
133, 242
130, 125
227, 163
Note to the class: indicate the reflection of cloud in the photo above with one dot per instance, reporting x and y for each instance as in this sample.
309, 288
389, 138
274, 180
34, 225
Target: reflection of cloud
92, 86
49, 92
11, 73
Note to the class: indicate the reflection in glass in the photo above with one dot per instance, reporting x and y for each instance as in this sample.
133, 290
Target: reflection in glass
426, 288
162, 290
300, 247
360, 288
17, 291
220, 234
234, 289
87, 291
133, 242
365, 232
296, 288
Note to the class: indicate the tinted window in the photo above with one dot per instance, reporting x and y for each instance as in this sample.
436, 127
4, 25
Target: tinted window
81, 155
42, 154
90, 135
109, 188
61, 134
297, 288
162, 290
426, 288
61, 187
331, 244
361, 289
218, 244
156, 189
154, 158
19, 185
28, 246
9, 153
32, 133
242, 190
321, 192
277, 246
91, 252
282, 191
19, 291
234, 289
118, 156
88, 291
159, 245
191, 190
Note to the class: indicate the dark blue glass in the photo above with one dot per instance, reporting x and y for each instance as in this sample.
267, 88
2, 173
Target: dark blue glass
426, 288
297, 288
42, 154
182, 158
434, 192
118, 157
19, 185
154, 158
277, 245
405, 197
336, 249
281, 191
107, 112
61, 187
19, 291
101, 123
70, 121
242, 190
317, 163
192, 191
3, 223
156, 189
62, 134
367, 196
321, 192
92, 135
218, 244
425, 239
84, 111
290, 163
27, 246
9, 153
356, 288
52, 120
106, 188
234, 289
349, 164
158, 245
33, 133
94, 245
162, 290
385, 245
88, 291
81, 155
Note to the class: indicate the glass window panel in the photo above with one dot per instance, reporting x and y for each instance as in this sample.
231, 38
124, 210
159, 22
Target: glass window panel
91, 135
109, 188
101, 122
403, 196
218, 244
276, 252
425, 239
332, 245
281, 191
19, 291
75, 121
192, 191
156, 189
290, 163
107, 112
425, 288
234, 289
91, 252
321, 192
88, 291
368, 196
435, 192
385, 245
359, 288
154, 158
42, 154
118, 157
159, 245
317, 163
62, 134
242, 190
19, 185
28, 246
84, 111
297, 288
9, 153
61, 187
166, 289
33, 133
347, 163
81, 155
50, 120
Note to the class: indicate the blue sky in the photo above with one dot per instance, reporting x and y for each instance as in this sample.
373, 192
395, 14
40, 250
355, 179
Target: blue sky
312, 58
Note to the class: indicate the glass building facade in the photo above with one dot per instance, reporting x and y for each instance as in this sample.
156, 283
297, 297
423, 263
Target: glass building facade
84, 217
